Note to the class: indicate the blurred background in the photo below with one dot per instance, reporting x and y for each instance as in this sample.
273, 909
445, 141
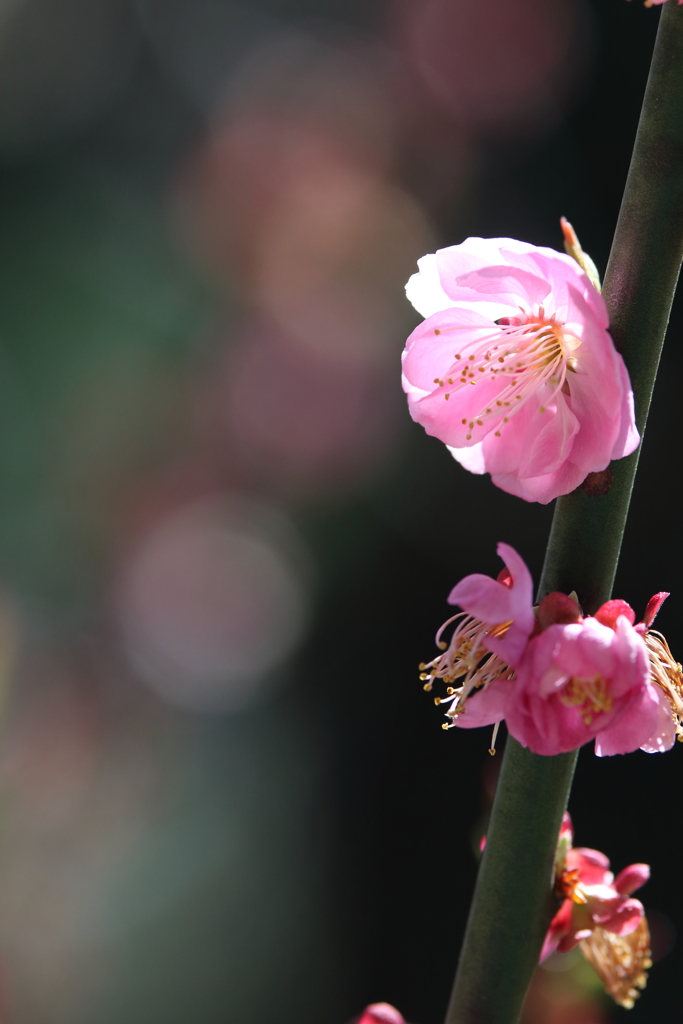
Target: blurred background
224, 547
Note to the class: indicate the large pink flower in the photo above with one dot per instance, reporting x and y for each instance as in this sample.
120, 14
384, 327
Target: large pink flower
592, 897
586, 679
514, 368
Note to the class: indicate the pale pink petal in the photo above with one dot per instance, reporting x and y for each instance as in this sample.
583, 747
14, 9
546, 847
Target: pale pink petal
485, 707
634, 729
542, 489
663, 735
471, 458
431, 348
631, 878
434, 413
507, 283
555, 430
424, 288
484, 598
625, 919
628, 437
631, 657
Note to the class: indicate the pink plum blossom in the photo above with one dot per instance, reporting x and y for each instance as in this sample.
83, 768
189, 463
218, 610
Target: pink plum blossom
591, 896
380, 1013
491, 635
589, 679
513, 367
656, 3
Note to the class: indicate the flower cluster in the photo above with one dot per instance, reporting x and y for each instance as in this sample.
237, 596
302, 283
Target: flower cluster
598, 914
513, 367
558, 678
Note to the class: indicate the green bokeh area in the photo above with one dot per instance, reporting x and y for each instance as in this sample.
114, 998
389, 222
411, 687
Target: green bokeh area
98, 320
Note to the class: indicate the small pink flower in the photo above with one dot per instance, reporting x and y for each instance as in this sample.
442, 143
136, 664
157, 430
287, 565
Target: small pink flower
489, 639
656, 3
589, 679
514, 369
592, 898
380, 1013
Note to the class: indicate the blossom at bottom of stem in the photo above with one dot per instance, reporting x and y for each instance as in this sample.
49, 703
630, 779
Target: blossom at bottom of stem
620, 961
597, 914
381, 1013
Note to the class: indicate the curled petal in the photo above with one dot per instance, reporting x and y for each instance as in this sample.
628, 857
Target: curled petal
625, 918
631, 878
653, 606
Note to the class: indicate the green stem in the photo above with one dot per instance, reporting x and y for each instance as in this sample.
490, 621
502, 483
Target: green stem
512, 903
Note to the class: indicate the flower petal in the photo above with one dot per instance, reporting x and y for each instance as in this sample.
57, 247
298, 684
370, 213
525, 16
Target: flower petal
631, 878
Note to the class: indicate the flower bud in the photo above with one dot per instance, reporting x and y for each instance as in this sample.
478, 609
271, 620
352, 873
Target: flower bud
381, 1013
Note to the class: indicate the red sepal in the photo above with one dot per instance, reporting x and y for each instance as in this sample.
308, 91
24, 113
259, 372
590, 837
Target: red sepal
611, 610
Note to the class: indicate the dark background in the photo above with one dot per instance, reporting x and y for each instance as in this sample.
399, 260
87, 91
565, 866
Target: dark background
224, 547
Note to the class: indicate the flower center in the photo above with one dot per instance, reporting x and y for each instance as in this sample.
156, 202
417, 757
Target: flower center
568, 886
524, 354
590, 696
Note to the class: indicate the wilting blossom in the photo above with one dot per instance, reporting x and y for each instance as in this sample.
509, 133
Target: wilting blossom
591, 896
558, 678
380, 1013
513, 367
598, 914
